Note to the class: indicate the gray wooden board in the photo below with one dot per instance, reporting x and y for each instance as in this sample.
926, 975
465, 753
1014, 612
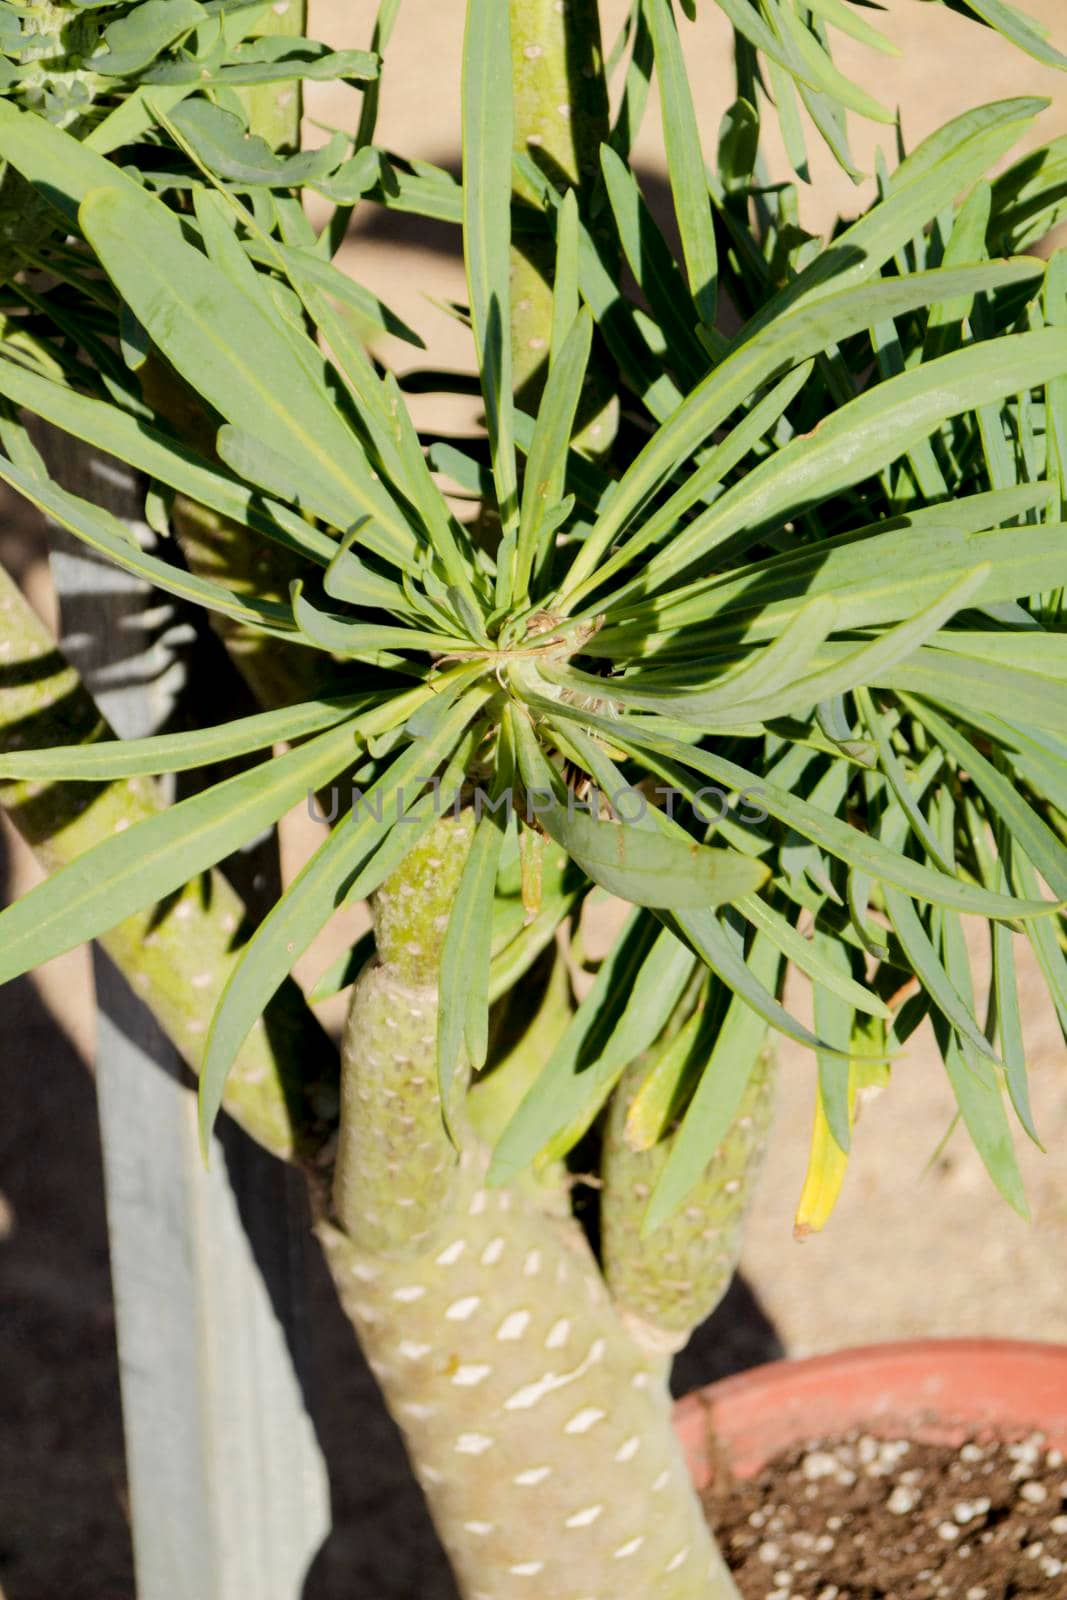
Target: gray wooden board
228, 1490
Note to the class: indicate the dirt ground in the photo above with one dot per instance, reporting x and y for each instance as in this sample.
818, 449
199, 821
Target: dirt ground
916, 1247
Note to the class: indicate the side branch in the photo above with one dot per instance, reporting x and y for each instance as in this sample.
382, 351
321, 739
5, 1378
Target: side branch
176, 956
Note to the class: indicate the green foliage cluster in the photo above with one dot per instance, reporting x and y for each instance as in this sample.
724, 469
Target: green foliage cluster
822, 562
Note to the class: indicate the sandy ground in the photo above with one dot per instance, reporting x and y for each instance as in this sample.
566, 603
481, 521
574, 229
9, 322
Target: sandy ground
915, 1248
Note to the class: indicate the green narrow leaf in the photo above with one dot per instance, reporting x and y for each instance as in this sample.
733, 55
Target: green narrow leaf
838, 838
231, 351
1019, 28
834, 1018
651, 1110
345, 637
546, 461
181, 752
137, 38
860, 438
645, 868
1033, 834
982, 1108
223, 143
565, 283
797, 334
685, 160
718, 1094
637, 987
466, 957
898, 781
928, 969
305, 907
154, 857
789, 119
154, 453
101, 531
654, 268
1046, 945
842, 16
820, 73
1009, 1025
487, 140
715, 463
811, 956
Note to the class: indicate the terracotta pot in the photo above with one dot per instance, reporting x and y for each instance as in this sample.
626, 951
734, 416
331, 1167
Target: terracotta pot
934, 1390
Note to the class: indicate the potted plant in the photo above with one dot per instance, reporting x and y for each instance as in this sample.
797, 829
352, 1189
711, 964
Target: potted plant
758, 633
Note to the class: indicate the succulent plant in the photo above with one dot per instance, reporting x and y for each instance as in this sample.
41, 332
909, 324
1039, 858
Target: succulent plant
758, 632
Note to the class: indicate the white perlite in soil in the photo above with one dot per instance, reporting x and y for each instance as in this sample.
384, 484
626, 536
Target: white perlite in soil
866, 1518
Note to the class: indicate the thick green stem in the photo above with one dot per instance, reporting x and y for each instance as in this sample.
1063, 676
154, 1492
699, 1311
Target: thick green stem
178, 956
674, 1277
561, 120
539, 1429
397, 1169
540, 1432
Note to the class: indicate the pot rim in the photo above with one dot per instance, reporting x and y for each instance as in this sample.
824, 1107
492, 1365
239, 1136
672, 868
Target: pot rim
934, 1389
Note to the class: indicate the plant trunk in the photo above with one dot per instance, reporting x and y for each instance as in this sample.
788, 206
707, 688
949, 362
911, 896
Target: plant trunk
538, 1428
538, 1425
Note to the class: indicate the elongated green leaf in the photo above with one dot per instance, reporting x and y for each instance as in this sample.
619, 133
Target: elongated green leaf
820, 72
928, 969
101, 531
298, 485
634, 993
724, 456
701, 929
465, 959
154, 857
960, 683
1019, 28
789, 340
565, 283
765, 672
982, 1108
224, 144
231, 351
310, 268
811, 956
872, 661
718, 1094
270, 60
1009, 1026
651, 1110
487, 140
874, 577
181, 752
685, 160
547, 459
292, 923
154, 453
648, 869
352, 638
654, 267
841, 15
898, 781
834, 1021
848, 844
1046, 945
1045, 850
354, 583
138, 37
862, 437
651, 870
